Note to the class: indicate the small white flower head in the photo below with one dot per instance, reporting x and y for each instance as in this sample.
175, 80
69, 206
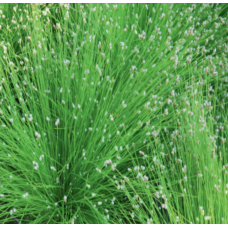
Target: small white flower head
11, 120
47, 118
79, 106
88, 186
157, 195
93, 194
61, 90
11, 64
145, 178
172, 93
11, 212
216, 187
185, 178
37, 135
34, 51
25, 195
98, 170
36, 165
184, 169
65, 198
108, 162
52, 168
164, 205
139, 175
207, 217
30, 118
5, 49
177, 219
99, 45
99, 203
155, 159
111, 117
58, 25
57, 122
126, 178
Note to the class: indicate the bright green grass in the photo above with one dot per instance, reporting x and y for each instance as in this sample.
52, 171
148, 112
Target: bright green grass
113, 113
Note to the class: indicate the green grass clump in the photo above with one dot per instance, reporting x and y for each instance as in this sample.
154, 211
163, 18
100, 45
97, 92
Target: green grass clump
113, 113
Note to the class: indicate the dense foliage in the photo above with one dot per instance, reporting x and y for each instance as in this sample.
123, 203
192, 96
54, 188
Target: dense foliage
113, 113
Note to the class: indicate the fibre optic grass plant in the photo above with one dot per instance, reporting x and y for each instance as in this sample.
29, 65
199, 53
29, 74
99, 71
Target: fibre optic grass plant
113, 113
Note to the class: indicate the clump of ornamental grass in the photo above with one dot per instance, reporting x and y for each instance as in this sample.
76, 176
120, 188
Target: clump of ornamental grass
113, 113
